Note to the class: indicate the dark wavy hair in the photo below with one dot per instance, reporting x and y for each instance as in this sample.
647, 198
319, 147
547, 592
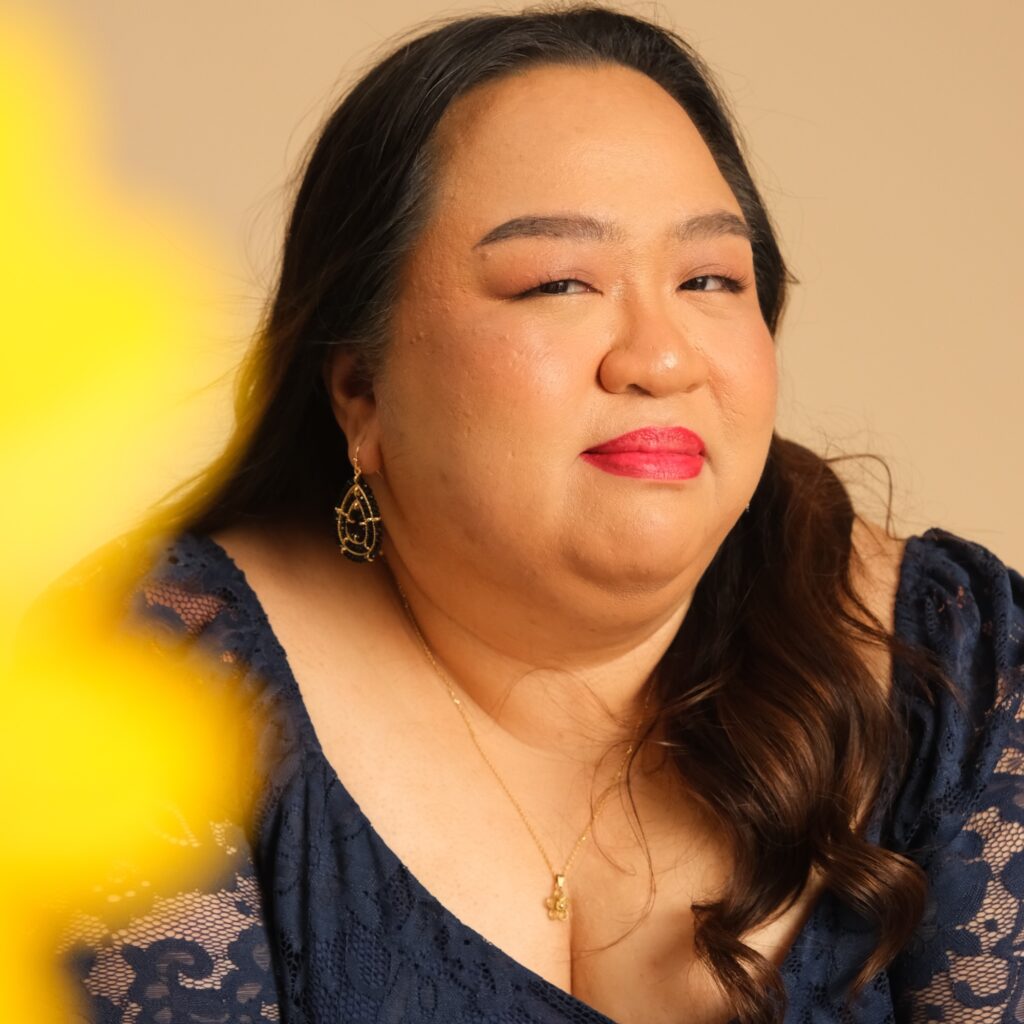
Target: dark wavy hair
766, 698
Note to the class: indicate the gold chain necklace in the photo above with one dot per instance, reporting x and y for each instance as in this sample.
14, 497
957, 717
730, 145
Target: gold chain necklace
557, 903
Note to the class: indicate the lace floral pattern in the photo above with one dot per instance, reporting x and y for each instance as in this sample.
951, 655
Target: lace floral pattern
967, 960
314, 919
162, 952
188, 956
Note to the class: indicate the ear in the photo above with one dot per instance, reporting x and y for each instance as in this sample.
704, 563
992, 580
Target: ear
354, 406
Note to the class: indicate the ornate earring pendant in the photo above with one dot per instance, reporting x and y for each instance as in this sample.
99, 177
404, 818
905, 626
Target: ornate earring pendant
358, 518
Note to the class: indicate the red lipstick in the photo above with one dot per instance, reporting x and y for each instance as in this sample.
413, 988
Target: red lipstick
653, 453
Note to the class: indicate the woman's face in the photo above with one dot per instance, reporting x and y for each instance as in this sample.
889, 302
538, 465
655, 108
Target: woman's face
521, 344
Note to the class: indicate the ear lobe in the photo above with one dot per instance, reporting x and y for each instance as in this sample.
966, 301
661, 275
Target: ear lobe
351, 397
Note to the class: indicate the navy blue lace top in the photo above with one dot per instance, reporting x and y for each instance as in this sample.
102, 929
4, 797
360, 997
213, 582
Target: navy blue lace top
313, 919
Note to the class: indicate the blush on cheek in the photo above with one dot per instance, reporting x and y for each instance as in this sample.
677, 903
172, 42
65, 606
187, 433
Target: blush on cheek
524, 366
769, 372
757, 358
744, 354
744, 381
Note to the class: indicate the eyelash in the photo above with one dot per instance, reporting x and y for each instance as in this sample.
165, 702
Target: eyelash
729, 284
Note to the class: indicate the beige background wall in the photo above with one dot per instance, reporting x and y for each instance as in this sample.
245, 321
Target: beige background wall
886, 137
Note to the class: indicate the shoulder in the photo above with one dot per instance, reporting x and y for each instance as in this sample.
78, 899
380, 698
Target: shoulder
177, 614
956, 612
876, 558
875, 566
310, 595
956, 593
154, 716
962, 609
170, 584
937, 589
959, 808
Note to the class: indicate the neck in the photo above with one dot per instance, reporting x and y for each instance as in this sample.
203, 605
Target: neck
572, 707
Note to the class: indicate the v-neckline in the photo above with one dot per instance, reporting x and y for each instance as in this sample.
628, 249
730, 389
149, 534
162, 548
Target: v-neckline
286, 678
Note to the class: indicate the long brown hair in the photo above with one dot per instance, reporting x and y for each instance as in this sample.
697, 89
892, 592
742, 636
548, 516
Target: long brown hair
766, 699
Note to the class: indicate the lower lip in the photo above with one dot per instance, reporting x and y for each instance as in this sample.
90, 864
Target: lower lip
647, 465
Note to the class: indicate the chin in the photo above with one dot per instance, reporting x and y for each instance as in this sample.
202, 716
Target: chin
648, 565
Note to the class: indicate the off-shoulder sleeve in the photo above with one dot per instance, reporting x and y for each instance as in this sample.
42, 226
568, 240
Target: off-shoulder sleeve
162, 951
960, 810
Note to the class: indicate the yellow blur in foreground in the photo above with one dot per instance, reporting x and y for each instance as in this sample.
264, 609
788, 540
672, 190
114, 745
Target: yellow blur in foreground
113, 324
113, 757
121, 756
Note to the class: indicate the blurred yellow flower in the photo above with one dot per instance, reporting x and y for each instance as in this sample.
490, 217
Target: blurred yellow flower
108, 301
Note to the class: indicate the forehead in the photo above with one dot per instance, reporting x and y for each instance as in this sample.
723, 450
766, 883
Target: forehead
558, 138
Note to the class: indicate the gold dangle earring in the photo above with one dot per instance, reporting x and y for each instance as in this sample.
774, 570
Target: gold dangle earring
358, 518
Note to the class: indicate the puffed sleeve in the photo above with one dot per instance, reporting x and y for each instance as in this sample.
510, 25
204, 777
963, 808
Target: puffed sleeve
146, 946
959, 812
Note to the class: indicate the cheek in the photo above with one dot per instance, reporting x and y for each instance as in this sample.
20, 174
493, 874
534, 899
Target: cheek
485, 379
744, 376
471, 406
468, 416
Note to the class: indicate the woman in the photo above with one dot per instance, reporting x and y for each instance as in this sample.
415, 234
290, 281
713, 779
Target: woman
614, 711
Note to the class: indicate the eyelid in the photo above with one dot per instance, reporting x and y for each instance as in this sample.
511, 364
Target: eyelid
535, 290
729, 284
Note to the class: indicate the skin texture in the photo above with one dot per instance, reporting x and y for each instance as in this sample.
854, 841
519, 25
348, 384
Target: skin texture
548, 588
473, 436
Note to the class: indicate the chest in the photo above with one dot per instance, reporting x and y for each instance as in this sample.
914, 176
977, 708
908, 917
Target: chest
627, 946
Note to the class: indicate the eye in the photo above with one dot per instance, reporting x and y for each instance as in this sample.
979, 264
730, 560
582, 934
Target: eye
703, 283
559, 287
712, 283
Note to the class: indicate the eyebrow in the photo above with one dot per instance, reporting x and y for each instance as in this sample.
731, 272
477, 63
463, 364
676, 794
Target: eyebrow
700, 226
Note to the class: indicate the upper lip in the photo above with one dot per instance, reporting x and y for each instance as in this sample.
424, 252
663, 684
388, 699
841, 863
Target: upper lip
678, 440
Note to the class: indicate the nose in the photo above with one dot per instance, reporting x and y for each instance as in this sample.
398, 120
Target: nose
654, 352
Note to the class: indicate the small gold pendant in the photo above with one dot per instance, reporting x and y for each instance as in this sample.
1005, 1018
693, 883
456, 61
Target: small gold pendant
558, 902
